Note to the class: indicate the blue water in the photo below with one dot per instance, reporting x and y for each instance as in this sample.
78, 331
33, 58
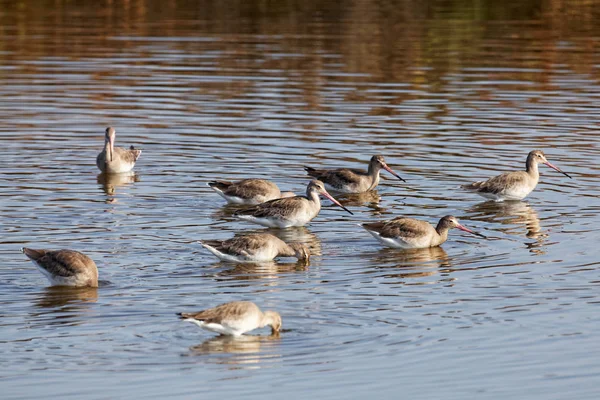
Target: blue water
449, 92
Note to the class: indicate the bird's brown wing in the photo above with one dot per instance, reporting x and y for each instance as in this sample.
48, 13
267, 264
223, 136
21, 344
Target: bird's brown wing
273, 208
250, 188
400, 227
224, 312
128, 155
64, 263
221, 185
497, 184
336, 177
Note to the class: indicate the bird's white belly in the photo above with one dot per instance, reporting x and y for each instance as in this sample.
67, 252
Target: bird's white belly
233, 328
57, 280
347, 189
118, 168
238, 200
213, 327
510, 194
224, 256
299, 218
264, 254
399, 243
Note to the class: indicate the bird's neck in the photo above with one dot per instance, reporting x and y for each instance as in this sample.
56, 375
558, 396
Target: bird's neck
373, 170
532, 168
442, 232
373, 174
313, 196
374, 181
286, 251
266, 319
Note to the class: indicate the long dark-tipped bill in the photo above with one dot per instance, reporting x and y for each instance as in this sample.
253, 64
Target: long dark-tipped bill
557, 169
336, 202
462, 228
388, 169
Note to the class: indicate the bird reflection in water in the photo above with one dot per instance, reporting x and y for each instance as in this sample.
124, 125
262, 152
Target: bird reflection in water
514, 215
64, 305
66, 297
226, 211
245, 350
298, 234
267, 270
110, 182
414, 263
369, 199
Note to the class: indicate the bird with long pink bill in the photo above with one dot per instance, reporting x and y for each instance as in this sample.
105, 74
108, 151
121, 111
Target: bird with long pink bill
290, 211
346, 180
513, 185
410, 233
116, 160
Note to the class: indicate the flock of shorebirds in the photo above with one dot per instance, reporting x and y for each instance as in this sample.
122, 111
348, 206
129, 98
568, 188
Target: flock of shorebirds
268, 206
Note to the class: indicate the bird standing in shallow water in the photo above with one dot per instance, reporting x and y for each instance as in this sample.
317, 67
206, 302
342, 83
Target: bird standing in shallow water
116, 160
248, 191
345, 180
291, 211
235, 318
513, 185
409, 233
64, 267
256, 247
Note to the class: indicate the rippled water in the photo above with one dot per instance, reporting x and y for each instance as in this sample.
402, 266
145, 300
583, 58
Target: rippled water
449, 92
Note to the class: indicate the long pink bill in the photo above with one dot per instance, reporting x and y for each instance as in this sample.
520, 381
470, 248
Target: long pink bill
388, 169
462, 228
557, 169
336, 202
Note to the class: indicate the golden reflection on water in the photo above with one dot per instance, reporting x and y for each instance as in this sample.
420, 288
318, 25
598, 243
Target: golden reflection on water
386, 41
442, 86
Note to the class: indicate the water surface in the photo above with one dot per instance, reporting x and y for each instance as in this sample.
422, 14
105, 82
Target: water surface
449, 92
